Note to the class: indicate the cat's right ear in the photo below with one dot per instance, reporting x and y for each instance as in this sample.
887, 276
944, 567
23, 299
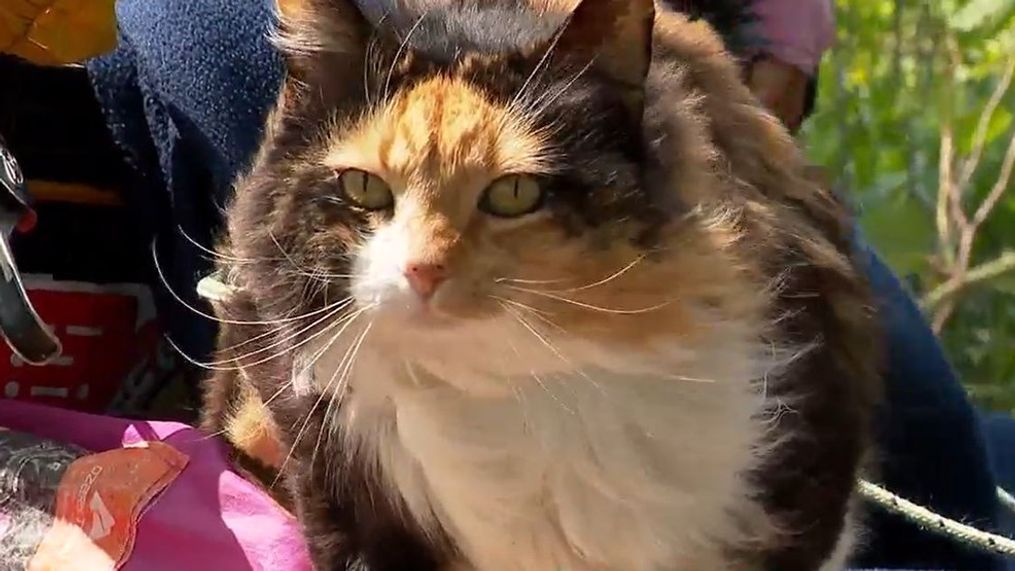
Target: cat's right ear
324, 43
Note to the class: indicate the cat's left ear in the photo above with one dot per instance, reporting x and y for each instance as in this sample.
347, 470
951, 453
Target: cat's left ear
616, 36
323, 43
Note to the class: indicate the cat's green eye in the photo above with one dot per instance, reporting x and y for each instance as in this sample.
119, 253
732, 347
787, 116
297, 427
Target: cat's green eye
512, 196
366, 190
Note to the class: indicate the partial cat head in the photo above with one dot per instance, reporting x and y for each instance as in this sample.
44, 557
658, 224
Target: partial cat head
481, 178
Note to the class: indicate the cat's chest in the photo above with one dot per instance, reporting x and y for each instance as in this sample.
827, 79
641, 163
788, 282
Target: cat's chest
575, 473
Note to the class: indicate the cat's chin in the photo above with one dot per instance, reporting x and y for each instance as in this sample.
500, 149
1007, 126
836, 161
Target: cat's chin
427, 320
410, 314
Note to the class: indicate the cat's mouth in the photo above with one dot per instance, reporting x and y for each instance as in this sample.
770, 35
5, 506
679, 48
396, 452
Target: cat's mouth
427, 316
414, 315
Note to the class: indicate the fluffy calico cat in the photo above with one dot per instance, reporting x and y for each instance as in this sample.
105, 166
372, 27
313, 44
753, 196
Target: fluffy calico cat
538, 286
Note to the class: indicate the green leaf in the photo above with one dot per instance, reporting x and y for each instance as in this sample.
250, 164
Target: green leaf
978, 13
887, 184
882, 97
1005, 284
901, 229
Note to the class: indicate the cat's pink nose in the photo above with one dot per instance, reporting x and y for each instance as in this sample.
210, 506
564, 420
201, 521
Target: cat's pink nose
425, 278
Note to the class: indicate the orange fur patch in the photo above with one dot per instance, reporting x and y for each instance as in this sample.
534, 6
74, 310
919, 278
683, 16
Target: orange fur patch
439, 133
251, 429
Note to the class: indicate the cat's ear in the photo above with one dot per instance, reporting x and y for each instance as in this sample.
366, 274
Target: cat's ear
324, 44
616, 36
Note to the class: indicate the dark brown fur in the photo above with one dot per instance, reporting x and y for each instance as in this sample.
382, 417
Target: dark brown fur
785, 226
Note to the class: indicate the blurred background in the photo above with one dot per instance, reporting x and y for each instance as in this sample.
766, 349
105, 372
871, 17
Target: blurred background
915, 120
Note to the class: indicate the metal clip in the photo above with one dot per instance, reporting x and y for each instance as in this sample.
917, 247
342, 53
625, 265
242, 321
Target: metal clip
22, 328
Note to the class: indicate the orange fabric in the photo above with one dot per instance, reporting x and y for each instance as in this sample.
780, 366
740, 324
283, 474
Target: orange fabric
51, 191
100, 499
57, 32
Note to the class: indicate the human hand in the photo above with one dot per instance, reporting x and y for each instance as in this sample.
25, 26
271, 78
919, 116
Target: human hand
781, 87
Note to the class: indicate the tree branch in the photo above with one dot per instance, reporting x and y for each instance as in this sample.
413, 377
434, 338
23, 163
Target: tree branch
953, 57
999, 266
970, 229
952, 216
1003, 178
944, 190
980, 135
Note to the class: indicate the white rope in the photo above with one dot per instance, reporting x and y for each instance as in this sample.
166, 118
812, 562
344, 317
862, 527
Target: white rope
938, 524
1006, 499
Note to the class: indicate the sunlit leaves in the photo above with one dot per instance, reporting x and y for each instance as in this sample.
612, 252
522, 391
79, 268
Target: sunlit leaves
900, 70
978, 14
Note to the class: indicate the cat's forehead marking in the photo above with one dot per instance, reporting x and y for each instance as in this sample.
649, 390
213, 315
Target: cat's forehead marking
440, 130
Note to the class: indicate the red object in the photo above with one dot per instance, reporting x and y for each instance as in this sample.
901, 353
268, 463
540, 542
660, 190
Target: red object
105, 331
27, 222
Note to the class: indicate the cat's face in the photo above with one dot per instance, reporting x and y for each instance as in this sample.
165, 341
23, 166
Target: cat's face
473, 215
478, 196
462, 189
467, 201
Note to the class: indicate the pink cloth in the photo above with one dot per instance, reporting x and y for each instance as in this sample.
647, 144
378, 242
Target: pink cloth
797, 32
208, 518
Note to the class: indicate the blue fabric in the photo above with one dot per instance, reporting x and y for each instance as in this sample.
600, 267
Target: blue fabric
1000, 431
932, 448
186, 94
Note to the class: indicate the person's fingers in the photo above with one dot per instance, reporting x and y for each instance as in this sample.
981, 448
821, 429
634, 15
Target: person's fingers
781, 87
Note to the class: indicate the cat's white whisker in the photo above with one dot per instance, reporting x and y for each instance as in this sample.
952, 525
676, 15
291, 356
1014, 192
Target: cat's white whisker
238, 367
589, 305
279, 392
690, 379
288, 257
519, 304
368, 56
552, 394
239, 358
276, 330
553, 348
311, 285
400, 51
307, 419
225, 321
537, 313
218, 255
543, 102
317, 355
540, 66
272, 331
313, 361
516, 390
344, 380
335, 400
601, 282
539, 381
592, 285
529, 282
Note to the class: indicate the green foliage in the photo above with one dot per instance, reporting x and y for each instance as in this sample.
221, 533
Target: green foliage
903, 73
978, 13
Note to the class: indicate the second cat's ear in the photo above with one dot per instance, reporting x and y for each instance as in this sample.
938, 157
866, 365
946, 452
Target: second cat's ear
616, 36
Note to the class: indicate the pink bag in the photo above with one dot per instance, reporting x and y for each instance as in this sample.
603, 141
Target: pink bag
125, 494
